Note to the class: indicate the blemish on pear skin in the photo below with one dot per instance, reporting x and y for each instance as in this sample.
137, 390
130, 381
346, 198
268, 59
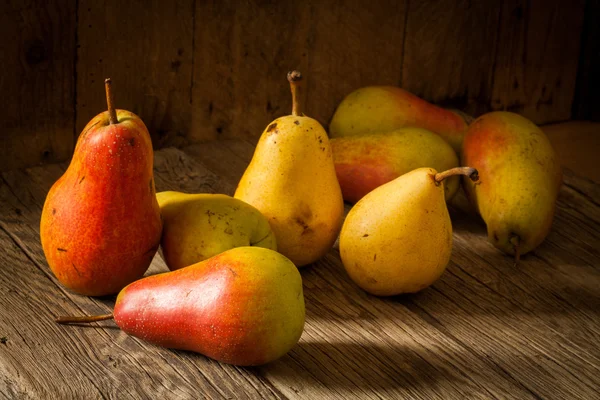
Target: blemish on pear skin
366, 235
305, 228
297, 122
374, 257
53, 211
228, 231
81, 180
76, 270
61, 249
272, 127
132, 142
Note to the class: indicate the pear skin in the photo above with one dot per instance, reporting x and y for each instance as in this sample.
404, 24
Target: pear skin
291, 180
101, 224
398, 238
377, 109
199, 226
520, 180
244, 306
365, 162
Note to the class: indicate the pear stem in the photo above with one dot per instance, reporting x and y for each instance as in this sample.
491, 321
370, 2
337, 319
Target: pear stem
294, 78
112, 113
467, 171
83, 320
515, 241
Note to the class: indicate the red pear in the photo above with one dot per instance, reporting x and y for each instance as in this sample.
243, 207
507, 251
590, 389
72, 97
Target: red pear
101, 223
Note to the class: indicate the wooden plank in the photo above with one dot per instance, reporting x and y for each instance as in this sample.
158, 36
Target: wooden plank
536, 59
37, 55
100, 357
449, 52
146, 48
237, 92
586, 104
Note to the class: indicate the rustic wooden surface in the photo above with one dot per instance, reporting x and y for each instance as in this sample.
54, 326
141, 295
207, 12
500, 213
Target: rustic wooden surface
200, 70
486, 329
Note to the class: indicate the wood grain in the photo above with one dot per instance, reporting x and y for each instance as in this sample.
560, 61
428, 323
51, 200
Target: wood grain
486, 329
338, 46
449, 52
536, 59
37, 51
146, 48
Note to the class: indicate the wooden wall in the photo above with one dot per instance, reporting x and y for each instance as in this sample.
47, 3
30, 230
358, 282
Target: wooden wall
198, 70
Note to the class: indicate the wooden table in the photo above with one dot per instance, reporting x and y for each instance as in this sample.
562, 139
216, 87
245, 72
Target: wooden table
486, 329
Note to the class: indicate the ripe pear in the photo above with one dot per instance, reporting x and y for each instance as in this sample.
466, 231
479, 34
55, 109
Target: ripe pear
101, 224
291, 180
199, 226
376, 109
365, 162
244, 306
398, 238
520, 180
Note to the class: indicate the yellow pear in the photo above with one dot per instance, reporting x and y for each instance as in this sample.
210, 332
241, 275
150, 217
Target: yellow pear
398, 238
291, 180
199, 226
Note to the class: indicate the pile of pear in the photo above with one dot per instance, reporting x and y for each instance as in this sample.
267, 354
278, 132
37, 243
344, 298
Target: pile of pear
388, 148
234, 292
229, 294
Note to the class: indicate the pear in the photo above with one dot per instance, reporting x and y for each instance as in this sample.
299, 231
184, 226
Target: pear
398, 238
365, 162
376, 109
244, 306
291, 180
101, 224
520, 180
199, 226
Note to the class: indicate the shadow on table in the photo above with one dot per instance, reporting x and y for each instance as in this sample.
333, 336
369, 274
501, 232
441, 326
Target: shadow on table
351, 368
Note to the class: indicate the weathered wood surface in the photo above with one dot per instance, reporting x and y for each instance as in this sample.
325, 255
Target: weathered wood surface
486, 329
199, 70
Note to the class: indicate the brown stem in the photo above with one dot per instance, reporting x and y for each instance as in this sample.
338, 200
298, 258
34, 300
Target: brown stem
516, 241
83, 320
467, 171
295, 77
112, 113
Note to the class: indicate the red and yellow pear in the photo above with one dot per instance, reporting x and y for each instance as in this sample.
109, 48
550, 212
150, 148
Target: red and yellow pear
378, 109
520, 180
244, 306
101, 224
365, 162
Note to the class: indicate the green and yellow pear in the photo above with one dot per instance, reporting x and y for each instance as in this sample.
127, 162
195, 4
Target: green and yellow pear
291, 180
520, 180
398, 238
199, 226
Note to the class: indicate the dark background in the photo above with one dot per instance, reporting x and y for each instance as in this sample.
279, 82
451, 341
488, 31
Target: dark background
198, 70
